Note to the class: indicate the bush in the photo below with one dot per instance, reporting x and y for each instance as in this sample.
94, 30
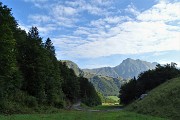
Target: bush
31, 101
59, 104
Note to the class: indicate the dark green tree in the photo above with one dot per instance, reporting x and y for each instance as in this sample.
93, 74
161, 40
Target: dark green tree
88, 93
128, 91
147, 81
10, 77
54, 80
49, 46
70, 83
33, 66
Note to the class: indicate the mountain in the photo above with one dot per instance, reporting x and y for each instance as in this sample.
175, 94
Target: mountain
162, 101
104, 71
74, 66
130, 68
127, 69
108, 80
106, 85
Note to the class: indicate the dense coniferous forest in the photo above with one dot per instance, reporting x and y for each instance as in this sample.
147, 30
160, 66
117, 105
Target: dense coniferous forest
147, 81
30, 74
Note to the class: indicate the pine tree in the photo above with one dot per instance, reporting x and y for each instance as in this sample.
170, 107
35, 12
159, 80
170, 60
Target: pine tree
33, 66
49, 46
53, 81
10, 78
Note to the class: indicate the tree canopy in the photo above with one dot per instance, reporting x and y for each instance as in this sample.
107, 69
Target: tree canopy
147, 81
30, 74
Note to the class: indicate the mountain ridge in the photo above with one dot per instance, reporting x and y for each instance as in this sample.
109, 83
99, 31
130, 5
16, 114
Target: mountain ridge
127, 69
108, 80
106, 85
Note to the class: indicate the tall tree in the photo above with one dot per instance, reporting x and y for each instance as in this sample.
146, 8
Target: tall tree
34, 67
54, 80
10, 78
88, 93
70, 83
49, 46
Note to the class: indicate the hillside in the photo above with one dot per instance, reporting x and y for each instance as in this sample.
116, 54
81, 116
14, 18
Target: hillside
130, 68
108, 80
106, 85
104, 71
103, 84
163, 101
127, 69
73, 66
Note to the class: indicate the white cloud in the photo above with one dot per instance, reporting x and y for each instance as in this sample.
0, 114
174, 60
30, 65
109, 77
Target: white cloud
132, 9
60, 10
131, 37
45, 30
24, 27
39, 18
94, 7
162, 11
102, 2
107, 32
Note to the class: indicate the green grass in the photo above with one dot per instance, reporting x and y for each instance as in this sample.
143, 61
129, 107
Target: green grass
80, 115
115, 98
163, 101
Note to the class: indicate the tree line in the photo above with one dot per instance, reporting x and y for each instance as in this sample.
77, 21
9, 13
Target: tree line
30, 74
146, 81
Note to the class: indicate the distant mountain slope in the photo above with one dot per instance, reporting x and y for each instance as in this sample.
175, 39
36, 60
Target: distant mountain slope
127, 69
108, 86
108, 80
130, 68
105, 71
103, 84
163, 101
73, 66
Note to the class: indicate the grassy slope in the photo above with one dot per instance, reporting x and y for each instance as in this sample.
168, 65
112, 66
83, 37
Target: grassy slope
115, 98
163, 101
79, 115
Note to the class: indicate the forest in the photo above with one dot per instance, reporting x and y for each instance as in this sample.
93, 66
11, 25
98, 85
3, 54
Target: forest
31, 77
147, 81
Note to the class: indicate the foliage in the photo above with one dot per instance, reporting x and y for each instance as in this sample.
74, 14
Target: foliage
10, 77
103, 84
31, 77
76, 88
163, 101
88, 94
146, 82
108, 86
70, 83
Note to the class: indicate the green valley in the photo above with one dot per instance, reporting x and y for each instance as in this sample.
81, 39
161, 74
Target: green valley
36, 83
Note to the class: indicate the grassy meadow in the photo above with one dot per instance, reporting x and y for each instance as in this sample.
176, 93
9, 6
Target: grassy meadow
163, 101
81, 115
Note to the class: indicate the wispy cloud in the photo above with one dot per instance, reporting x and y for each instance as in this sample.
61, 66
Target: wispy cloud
163, 11
97, 30
132, 9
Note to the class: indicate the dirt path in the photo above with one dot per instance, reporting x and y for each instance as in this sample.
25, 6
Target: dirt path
77, 106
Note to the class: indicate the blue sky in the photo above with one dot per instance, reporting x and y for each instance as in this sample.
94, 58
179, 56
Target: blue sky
97, 33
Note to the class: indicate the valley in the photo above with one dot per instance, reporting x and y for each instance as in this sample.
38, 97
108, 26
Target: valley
38, 80
108, 80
